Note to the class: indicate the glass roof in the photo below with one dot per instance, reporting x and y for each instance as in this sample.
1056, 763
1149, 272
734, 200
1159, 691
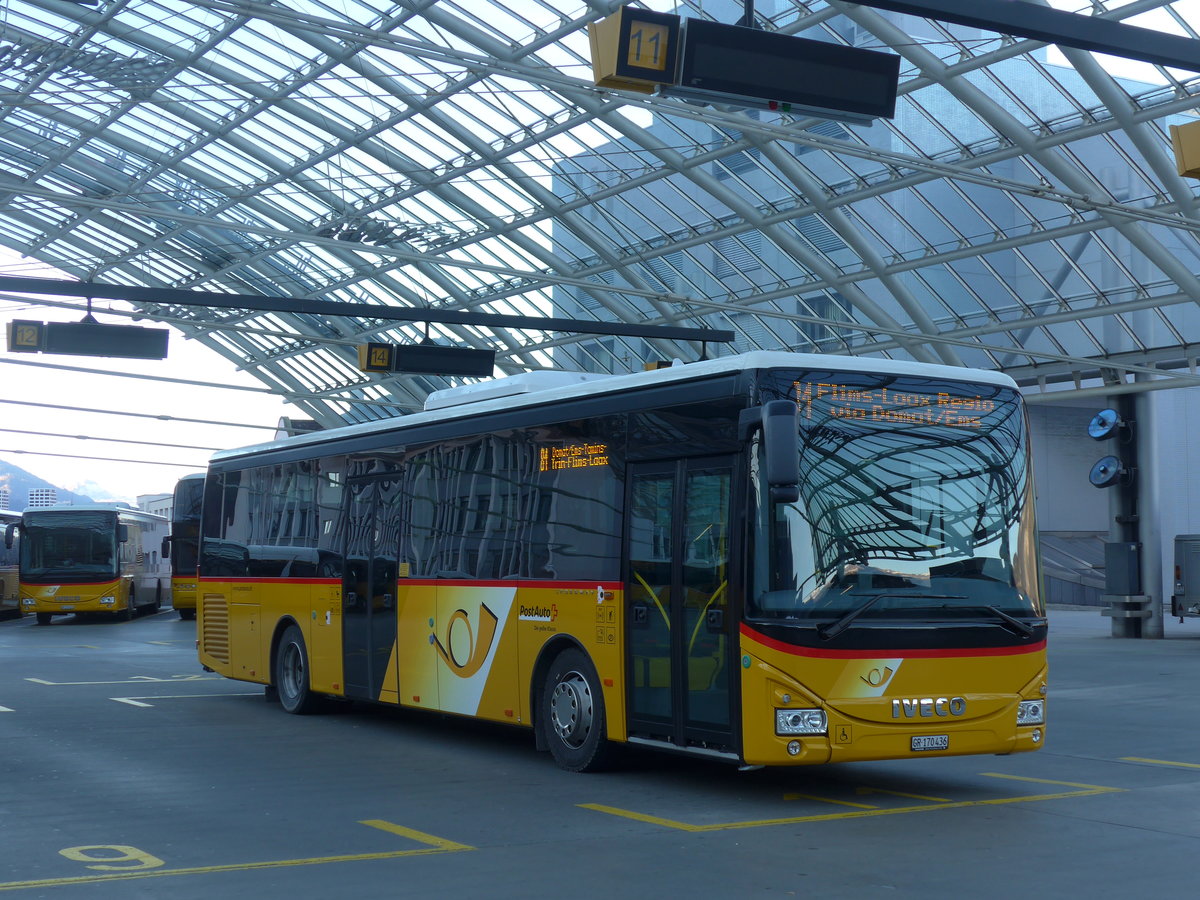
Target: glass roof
1022, 211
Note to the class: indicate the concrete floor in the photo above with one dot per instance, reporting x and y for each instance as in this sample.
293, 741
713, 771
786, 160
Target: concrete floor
130, 772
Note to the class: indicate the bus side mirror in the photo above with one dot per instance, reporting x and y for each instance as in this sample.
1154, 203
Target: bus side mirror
166, 547
8, 534
781, 452
122, 533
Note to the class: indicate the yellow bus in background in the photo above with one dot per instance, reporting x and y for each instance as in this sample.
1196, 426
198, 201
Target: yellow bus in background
182, 545
89, 559
772, 559
10, 582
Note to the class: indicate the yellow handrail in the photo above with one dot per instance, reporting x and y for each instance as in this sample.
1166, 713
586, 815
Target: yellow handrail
696, 631
657, 602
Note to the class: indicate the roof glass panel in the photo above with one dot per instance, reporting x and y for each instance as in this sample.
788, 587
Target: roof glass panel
1021, 208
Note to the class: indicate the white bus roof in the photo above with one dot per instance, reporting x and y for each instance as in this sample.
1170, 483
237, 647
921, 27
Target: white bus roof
533, 388
95, 507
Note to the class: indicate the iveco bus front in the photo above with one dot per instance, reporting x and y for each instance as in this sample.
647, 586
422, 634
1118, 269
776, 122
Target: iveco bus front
895, 587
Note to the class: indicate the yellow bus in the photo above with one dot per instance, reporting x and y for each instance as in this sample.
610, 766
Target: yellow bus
88, 559
770, 559
181, 546
10, 591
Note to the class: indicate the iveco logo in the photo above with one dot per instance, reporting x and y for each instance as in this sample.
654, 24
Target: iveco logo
928, 707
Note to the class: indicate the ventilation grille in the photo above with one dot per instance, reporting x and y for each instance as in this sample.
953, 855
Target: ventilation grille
214, 632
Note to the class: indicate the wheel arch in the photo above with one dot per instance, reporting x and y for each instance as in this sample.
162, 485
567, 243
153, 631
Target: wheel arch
284, 623
549, 652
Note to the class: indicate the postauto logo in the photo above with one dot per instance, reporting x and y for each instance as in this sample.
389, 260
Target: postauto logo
539, 613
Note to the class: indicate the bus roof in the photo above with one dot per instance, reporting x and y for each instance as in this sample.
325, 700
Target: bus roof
527, 389
123, 511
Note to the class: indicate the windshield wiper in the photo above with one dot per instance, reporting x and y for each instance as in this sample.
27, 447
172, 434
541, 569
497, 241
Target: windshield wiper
1010, 622
830, 630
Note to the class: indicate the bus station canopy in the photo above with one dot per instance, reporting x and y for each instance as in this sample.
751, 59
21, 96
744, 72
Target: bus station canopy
1023, 210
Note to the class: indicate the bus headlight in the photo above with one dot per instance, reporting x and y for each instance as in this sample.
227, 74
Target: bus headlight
108, 601
801, 721
1031, 712
28, 601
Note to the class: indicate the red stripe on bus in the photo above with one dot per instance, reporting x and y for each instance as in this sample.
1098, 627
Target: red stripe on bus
589, 586
948, 653
214, 580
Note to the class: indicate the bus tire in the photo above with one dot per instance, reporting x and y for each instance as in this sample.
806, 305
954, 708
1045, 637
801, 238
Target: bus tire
571, 713
158, 597
187, 614
290, 673
44, 618
130, 607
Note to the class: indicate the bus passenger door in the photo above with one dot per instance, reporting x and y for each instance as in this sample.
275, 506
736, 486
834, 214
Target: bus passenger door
681, 634
369, 582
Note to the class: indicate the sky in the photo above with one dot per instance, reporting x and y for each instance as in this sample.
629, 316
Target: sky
101, 437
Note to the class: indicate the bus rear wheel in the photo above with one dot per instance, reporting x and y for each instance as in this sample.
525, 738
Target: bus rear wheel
291, 673
572, 713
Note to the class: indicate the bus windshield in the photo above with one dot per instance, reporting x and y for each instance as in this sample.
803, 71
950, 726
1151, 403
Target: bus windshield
916, 501
75, 543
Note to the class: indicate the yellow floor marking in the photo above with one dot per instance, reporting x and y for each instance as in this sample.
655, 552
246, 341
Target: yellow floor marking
419, 836
1161, 762
435, 845
1047, 781
827, 800
1087, 790
862, 791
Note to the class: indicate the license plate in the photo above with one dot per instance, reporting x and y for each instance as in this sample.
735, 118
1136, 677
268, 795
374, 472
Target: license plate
931, 742
68, 606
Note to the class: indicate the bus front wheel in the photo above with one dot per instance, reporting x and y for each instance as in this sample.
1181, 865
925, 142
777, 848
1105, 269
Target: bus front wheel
572, 713
44, 618
291, 673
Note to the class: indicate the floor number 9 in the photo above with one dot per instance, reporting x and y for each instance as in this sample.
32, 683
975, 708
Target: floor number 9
113, 857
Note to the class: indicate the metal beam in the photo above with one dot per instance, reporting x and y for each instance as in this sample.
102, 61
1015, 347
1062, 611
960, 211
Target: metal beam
1040, 23
260, 303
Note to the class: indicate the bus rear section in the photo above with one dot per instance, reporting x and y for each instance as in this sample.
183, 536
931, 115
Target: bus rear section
89, 559
182, 546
